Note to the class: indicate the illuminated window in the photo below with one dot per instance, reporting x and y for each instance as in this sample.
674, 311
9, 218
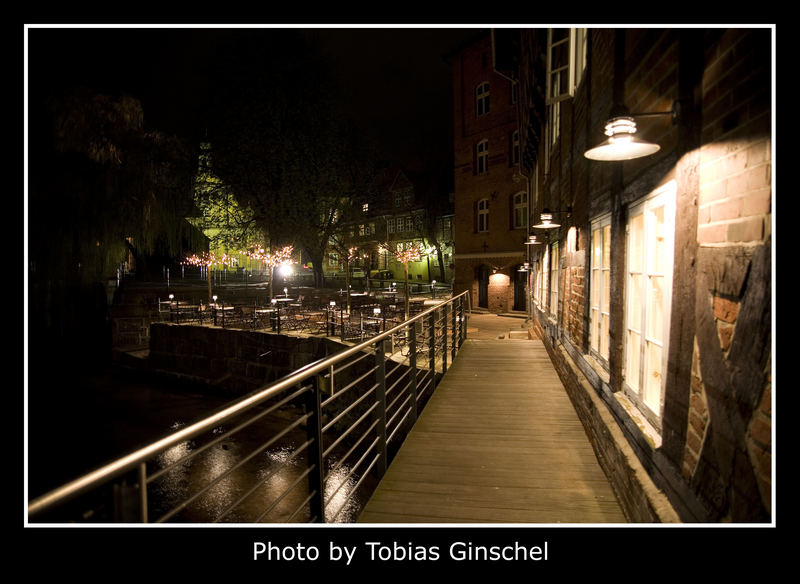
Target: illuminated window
365, 207
600, 293
482, 157
541, 296
483, 215
553, 279
651, 226
521, 211
482, 99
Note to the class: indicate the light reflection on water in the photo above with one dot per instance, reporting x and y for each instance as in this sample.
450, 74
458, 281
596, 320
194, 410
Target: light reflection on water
279, 468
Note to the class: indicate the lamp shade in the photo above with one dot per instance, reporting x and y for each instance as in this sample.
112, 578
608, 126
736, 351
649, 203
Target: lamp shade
546, 220
622, 143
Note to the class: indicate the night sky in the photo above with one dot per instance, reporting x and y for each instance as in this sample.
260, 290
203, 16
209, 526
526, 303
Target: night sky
394, 80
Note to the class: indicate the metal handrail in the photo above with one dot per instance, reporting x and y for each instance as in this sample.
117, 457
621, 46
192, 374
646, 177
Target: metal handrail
138, 459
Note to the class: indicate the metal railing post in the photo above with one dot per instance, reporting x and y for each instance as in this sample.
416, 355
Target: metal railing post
128, 504
316, 475
412, 362
454, 343
380, 412
432, 344
143, 492
463, 324
444, 338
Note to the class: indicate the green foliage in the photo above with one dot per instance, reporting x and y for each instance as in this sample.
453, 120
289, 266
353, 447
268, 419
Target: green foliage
101, 186
291, 156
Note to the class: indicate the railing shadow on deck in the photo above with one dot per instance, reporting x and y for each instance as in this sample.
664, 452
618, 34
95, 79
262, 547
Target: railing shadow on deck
308, 448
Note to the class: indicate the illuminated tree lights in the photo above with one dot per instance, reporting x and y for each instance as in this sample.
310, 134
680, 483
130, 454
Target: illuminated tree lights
281, 257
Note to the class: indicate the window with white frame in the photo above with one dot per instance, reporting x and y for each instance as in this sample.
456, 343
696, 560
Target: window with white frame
543, 276
650, 243
482, 99
566, 61
553, 279
390, 225
365, 207
483, 215
520, 211
600, 293
482, 157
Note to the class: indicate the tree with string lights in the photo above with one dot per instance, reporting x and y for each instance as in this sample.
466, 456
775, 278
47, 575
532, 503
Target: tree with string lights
208, 260
405, 254
271, 259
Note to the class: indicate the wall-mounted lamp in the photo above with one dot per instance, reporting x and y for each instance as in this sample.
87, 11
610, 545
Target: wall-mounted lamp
546, 218
622, 143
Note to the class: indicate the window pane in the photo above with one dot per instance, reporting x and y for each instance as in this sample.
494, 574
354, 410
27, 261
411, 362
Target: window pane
606, 290
635, 235
652, 382
607, 246
657, 247
635, 302
604, 336
632, 358
597, 248
655, 309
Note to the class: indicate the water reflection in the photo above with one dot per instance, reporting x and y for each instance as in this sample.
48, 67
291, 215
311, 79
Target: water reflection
269, 487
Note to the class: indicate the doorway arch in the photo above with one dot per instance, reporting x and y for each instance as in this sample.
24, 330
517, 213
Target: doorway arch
520, 285
482, 276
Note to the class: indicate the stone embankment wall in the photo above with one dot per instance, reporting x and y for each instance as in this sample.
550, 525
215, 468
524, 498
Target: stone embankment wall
234, 360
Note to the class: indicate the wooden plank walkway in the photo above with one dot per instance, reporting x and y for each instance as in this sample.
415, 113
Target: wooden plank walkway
499, 442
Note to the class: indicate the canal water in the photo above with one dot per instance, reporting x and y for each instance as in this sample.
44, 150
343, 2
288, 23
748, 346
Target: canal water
90, 418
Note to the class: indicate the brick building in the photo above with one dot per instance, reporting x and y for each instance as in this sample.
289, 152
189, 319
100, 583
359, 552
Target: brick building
653, 296
491, 200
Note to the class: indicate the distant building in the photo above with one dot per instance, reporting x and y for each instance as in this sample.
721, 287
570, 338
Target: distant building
394, 218
491, 197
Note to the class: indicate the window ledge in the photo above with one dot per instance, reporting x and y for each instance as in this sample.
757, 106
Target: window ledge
649, 431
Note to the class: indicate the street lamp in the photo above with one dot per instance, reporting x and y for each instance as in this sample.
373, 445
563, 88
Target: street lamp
622, 143
546, 218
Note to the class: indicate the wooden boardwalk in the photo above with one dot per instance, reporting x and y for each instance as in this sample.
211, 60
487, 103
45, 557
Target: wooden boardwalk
499, 442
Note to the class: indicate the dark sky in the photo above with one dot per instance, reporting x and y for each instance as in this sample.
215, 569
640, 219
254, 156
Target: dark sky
396, 80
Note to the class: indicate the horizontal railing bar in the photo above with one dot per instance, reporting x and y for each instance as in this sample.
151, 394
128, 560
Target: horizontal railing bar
349, 408
358, 442
399, 425
358, 484
398, 380
286, 492
350, 429
299, 507
351, 473
350, 363
398, 397
341, 391
135, 458
221, 476
154, 476
271, 474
